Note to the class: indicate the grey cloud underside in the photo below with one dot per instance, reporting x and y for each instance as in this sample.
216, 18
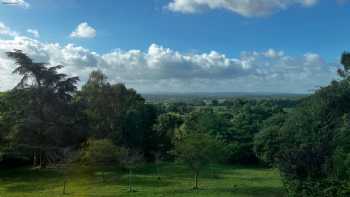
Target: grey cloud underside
247, 8
163, 69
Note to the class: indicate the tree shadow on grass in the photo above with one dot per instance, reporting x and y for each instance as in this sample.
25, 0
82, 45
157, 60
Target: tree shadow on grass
27, 174
237, 190
256, 191
23, 187
139, 180
181, 171
29, 180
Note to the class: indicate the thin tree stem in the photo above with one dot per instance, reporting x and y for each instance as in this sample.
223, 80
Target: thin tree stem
130, 186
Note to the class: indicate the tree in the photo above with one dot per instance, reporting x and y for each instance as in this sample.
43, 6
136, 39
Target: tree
197, 151
166, 128
266, 142
107, 106
247, 121
101, 153
3, 125
41, 107
69, 166
139, 133
118, 113
214, 102
130, 159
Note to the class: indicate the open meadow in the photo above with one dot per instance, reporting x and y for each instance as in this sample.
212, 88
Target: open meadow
173, 180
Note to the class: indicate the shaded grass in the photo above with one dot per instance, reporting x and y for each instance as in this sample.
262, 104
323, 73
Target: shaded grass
175, 181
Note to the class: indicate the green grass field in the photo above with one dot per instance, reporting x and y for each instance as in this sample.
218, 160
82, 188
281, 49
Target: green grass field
176, 180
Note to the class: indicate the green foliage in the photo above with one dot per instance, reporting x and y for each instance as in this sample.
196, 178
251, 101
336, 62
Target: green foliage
178, 107
106, 106
205, 120
131, 159
40, 111
3, 123
138, 132
309, 157
235, 126
314, 142
247, 121
117, 113
166, 128
345, 60
100, 152
197, 151
267, 141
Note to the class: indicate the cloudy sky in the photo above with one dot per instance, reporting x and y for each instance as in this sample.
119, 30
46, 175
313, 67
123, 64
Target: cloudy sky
290, 46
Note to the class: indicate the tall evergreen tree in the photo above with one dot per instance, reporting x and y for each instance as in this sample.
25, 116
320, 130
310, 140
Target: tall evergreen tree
41, 109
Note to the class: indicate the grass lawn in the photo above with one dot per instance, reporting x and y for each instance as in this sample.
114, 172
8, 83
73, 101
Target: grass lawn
176, 180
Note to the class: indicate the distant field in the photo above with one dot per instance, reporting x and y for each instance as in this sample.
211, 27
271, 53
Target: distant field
219, 181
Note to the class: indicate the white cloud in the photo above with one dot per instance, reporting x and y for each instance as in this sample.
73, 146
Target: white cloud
83, 30
247, 8
19, 3
164, 69
313, 58
4, 30
34, 32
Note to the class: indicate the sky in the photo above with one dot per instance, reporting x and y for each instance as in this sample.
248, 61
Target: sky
284, 46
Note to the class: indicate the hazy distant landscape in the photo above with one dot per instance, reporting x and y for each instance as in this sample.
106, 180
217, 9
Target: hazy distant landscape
220, 96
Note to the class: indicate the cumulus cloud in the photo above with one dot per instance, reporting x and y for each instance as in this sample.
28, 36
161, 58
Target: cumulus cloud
247, 8
34, 32
4, 30
162, 69
19, 3
84, 30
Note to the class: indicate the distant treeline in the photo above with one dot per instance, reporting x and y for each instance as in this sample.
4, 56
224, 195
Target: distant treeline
220, 97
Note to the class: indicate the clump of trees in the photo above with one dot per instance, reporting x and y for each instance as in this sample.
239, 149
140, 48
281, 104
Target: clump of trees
45, 114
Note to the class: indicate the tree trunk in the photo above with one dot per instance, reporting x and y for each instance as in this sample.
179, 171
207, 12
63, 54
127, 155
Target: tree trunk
34, 159
130, 186
64, 186
42, 160
196, 180
157, 171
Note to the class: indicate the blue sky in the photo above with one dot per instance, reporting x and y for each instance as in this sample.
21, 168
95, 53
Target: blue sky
237, 30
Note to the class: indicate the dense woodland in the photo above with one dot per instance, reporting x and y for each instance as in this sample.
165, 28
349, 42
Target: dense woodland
46, 121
